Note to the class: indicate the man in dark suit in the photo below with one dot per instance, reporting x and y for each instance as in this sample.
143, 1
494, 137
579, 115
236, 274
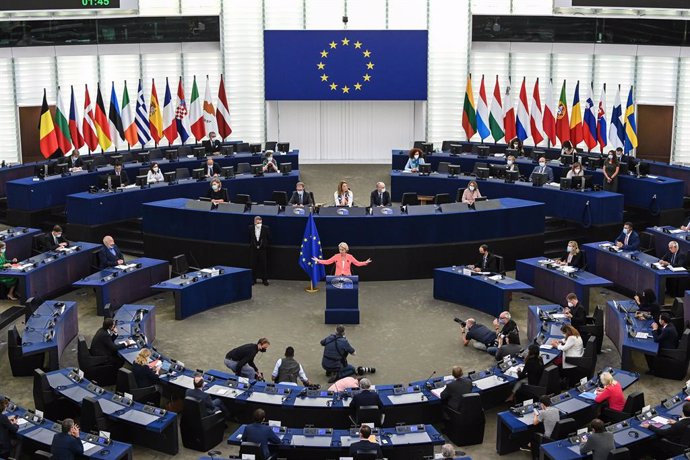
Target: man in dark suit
628, 240
110, 255
103, 342
575, 311
211, 169
542, 169
66, 445
366, 397
121, 175
54, 240
365, 444
673, 258
487, 262
380, 196
259, 241
676, 432
259, 433
209, 404
300, 197
665, 333
74, 161
212, 144
452, 394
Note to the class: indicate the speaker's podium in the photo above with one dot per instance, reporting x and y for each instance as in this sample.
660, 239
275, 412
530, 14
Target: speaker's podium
342, 300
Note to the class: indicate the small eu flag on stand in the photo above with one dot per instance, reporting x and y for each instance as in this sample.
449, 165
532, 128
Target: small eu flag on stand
311, 247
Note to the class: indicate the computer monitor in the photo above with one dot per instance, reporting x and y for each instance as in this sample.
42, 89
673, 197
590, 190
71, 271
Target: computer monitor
581, 182
198, 174
566, 184
200, 152
227, 172
227, 150
428, 148
257, 170
446, 145
497, 171
62, 168
512, 176
170, 154
641, 168
539, 179
286, 168
483, 151
566, 159
537, 153
170, 177
455, 149
425, 169
623, 168
454, 170
89, 165
255, 149
482, 173
115, 181
241, 198
418, 145
115, 159
141, 181
283, 147
143, 158
513, 152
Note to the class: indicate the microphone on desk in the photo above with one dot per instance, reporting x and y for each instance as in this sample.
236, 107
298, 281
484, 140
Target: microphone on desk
428, 385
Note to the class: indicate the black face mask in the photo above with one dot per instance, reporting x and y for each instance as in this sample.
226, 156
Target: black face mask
262, 350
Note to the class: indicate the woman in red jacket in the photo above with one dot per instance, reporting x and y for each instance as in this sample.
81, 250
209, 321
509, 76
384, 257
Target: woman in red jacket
612, 392
343, 261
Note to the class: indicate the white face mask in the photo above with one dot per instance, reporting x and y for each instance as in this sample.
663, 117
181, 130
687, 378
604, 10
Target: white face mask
571, 305
258, 226
155, 169
569, 249
416, 157
542, 164
471, 187
510, 162
625, 230
2, 251
215, 187
577, 171
383, 190
610, 157
269, 158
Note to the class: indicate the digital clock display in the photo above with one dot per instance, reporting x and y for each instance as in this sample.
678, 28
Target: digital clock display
58, 5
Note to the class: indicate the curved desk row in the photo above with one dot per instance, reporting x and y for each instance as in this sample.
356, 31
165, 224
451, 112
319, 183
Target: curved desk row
402, 246
49, 329
664, 235
628, 333
680, 172
586, 208
19, 241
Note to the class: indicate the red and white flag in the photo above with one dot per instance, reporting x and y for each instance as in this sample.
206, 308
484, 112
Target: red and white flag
89, 125
535, 115
549, 118
222, 112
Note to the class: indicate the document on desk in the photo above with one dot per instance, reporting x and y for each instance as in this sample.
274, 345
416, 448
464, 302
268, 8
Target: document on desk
20, 266
258, 396
41, 435
568, 269
109, 407
138, 417
311, 441
437, 391
588, 395
496, 278
559, 316
488, 382
677, 230
407, 398
183, 381
660, 421
410, 438
125, 266
90, 448
21, 422
219, 390
677, 269
513, 371
641, 335
312, 402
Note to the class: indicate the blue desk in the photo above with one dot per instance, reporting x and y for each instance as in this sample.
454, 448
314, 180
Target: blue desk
662, 238
50, 329
19, 241
544, 322
14, 172
618, 324
135, 320
476, 291
679, 172
199, 291
587, 208
626, 273
136, 423
52, 271
297, 444
37, 434
107, 207
553, 284
117, 286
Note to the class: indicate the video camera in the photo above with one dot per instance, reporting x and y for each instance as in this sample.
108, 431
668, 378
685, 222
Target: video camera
460, 322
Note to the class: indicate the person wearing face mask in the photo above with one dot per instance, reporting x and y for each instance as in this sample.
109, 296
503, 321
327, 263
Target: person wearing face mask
154, 175
211, 169
542, 169
487, 262
120, 177
471, 193
269, 164
628, 240
212, 144
673, 258
416, 159
9, 283
568, 149
380, 196
575, 171
300, 197
343, 196
516, 144
103, 343
510, 164
646, 305
74, 161
110, 255
573, 256
575, 311
611, 169
259, 241
216, 193
240, 360
54, 240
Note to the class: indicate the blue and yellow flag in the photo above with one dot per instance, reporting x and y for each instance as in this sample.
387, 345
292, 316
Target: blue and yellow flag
311, 247
630, 125
345, 65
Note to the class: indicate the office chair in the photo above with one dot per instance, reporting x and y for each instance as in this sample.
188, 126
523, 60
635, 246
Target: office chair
242, 147
182, 173
271, 145
585, 364
646, 242
561, 430
126, 383
621, 453
243, 168
54, 407
37, 243
633, 404
252, 448
595, 327
501, 265
443, 167
368, 414
365, 455
548, 384
280, 198
96, 368
92, 417
466, 426
22, 366
242, 198
478, 165
441, 198
182, 151
458, 195
143, 171
201, 432
179, 265
409, 199
673, 364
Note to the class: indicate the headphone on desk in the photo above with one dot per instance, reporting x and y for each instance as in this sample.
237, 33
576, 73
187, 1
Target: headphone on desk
633, 434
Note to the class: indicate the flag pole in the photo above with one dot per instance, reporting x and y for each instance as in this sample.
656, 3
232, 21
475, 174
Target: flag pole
311, 289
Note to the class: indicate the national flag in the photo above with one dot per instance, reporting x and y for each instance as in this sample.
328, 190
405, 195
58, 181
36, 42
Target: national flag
46, 129
101, 121
127, 122
169, 120
617, 129
62, 134
469, 114
535, 115
155, 115
209, 111
523, 125
509, 116
89, 125
589, 127
482, 113
496, 115
630, 125
311, 247
223, 112
562, 121
601, 119
576, 118
117, 132
196, 114
181, 114
75, 122
549, 119
141, 117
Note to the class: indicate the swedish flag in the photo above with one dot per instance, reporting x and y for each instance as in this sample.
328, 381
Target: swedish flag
311, 247
630, 125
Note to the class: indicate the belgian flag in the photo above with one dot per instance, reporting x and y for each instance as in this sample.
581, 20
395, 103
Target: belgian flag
47, 130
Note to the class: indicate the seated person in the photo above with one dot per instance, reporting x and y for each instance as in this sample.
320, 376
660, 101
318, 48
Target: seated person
510, 164
343, 196
416, 159
448, 452
452, 394
10, 283
611, 392
269, 164
67, 445
103, 343
516, 144
575, 311
120, 175
300, 197
571, 346
259, 433
665, 334
346, 383
542, 169
366, 397
483, 336
508, 345
676, 431
74, 161
568, 149
573, 256
647, 306
154, 175
209, 404
110, 255
673, 257
546, 414
575, 171
145, 373
54, 240
288, 370
531, 370
628, 240
686, 225
216, 193
8, 428
599, 442
380, 196
504, 325
212, 144
487, 261
211, 169
366, 443
471, 193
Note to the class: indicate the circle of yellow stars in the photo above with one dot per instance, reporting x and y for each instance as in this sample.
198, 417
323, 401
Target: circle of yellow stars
301, 250
325, 78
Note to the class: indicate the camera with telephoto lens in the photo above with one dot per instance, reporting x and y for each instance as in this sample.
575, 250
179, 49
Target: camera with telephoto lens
460, 322
365, 370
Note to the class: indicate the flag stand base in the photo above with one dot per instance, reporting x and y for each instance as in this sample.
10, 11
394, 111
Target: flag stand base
311, 289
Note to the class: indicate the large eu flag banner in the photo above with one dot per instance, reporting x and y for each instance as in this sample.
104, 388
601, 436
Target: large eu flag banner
345, 65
